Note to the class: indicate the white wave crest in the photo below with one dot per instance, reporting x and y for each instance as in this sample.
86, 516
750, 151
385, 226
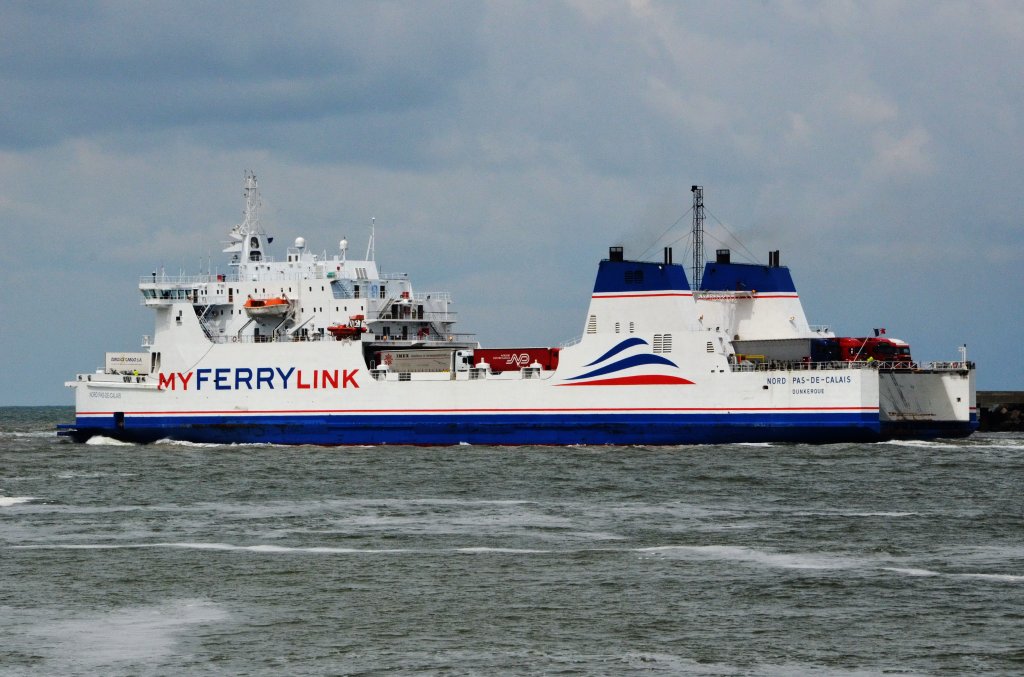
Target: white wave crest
911, 572
274, 549
39, 434
102, 640
999, 578
218, 445
758, 557
7, 501
100, 440
501, 551
921, 444
1003, 578
185, 443
228, 547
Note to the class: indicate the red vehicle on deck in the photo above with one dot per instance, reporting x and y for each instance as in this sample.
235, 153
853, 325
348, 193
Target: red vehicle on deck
874, 348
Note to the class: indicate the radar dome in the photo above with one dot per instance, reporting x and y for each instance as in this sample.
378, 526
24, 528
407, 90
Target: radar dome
300, 243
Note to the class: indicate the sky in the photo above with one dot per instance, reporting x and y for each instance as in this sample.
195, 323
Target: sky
502, 147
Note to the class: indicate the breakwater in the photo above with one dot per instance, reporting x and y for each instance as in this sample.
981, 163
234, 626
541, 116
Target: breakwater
1001, 410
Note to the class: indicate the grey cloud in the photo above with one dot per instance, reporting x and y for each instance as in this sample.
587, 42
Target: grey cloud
503, 146
115, 68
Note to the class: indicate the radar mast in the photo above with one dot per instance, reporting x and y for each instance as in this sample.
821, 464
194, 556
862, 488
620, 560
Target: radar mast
698, 234
247, 238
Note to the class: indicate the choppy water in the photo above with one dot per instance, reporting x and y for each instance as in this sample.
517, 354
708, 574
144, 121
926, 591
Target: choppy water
724, 560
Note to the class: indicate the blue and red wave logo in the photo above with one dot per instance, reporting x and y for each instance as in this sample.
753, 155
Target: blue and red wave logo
637, 360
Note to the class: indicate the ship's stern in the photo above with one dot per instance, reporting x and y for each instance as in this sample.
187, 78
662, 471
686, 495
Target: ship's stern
937, 401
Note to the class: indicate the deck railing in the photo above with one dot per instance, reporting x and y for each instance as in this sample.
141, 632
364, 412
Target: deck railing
778, 365
432, 296
438, 339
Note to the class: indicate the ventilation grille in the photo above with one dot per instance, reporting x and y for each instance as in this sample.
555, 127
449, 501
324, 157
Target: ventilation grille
634, 277
663, 343
592, 325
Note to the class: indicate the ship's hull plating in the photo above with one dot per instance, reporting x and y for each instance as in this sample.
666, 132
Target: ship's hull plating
516, 429
227, 402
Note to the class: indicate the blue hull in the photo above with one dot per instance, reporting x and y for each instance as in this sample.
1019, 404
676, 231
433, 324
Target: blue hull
520, 429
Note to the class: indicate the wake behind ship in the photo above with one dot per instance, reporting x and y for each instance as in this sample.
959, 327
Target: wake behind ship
325, 349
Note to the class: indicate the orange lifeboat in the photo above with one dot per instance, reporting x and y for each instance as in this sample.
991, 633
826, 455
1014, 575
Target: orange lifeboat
354, 328
270, 307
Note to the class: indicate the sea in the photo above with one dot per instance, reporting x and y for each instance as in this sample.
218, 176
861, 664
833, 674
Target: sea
901, 558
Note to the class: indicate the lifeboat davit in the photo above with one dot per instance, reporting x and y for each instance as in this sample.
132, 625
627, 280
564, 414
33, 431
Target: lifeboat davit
272, 307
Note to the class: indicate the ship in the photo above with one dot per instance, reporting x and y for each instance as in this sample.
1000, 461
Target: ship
321, 348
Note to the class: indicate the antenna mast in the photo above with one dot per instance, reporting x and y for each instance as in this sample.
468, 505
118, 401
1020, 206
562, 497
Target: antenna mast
369, 246
698, 234
251, 224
